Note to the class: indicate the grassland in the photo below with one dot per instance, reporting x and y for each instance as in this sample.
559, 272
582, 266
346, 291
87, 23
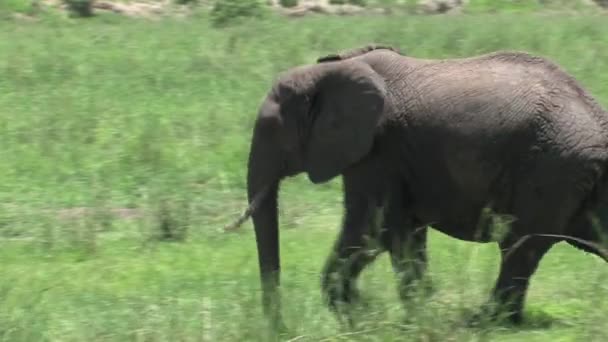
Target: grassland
147, 124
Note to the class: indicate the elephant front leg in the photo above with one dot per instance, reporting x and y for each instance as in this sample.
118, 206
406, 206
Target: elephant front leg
407, 248
352, 252
364, 199
406, 240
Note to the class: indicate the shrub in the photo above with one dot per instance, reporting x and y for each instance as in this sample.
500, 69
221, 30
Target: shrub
18, 6
361, 3
225, 11
352, 2
502, 6
80, 8
172, 220
288, 3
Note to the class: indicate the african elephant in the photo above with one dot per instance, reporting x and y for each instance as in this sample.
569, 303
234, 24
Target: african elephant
433, 142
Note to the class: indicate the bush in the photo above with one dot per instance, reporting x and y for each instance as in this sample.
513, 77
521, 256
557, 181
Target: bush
18, 6
361, 3
502, 6
80, 8
289, 3
185, 2
352, 2
225, 11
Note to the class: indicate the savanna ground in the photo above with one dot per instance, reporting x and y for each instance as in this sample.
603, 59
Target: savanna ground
116, 132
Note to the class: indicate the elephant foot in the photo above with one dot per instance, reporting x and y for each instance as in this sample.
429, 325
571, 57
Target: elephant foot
429, 287
420, 289
279, 327
340, 292
491, 314
342, 300
426, 288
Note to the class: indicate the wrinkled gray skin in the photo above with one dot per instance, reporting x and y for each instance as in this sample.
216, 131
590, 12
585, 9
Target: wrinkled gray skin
432, 142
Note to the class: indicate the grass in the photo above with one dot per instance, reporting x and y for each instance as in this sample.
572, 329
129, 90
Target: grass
147, 123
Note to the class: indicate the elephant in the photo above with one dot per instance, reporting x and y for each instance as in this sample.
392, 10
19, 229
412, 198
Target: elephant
435, 143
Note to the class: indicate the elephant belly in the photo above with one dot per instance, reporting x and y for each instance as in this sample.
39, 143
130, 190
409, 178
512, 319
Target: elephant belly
466, 231
465, 215
453, 183
469, 226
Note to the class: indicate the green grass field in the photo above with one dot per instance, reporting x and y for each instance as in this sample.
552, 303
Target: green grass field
147, 124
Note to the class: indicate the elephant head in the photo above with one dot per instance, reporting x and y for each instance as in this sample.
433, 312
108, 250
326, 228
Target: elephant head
318, 119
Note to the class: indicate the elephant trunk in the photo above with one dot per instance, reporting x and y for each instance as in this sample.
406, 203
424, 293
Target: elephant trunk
264, 174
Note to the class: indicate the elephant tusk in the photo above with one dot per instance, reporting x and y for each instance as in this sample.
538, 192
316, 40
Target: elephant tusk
253, 206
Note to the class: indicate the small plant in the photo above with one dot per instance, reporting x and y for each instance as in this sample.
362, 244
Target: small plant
361, 3
289, 3
80, 8
352, 2
26, 7
226, 11
481, 6
185, 2
172, 219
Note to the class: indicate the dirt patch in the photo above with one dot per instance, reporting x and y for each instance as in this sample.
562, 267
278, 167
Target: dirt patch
325, 7
305, 7
158, 8
441, 6
136, 9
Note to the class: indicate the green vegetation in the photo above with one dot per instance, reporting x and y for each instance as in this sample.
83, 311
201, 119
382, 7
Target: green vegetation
288, 3
10, 7
147, 124
352, 2
80, 8
185, 2
228, 11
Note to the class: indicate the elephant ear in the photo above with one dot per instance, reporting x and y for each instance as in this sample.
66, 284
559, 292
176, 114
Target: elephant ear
347, 106
355, 52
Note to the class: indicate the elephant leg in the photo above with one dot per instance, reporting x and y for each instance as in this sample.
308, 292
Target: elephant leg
519, 260
543, 211
405, 239
353, 251
408, 253
343, 269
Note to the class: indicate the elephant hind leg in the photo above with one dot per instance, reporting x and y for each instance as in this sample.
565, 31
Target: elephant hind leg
543, 213
519, 260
